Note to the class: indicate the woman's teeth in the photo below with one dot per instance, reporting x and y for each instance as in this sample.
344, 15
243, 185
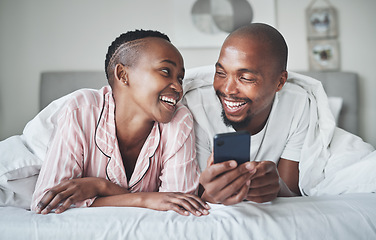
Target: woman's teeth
233, 105
168, 100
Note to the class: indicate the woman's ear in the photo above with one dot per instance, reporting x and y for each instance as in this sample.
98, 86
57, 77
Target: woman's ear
120, 74
282, 80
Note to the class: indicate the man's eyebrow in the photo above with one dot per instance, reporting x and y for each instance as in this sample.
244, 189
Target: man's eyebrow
217, 64
246, 70
243, 70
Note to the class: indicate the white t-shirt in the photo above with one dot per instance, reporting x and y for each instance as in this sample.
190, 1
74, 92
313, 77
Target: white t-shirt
282, 136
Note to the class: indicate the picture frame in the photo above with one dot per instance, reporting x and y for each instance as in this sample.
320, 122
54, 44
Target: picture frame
187, 35
322, 22
323, 55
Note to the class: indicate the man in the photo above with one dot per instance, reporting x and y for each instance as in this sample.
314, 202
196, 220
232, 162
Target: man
250, 84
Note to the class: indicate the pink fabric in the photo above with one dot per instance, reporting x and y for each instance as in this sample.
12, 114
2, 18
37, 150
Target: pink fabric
85, 142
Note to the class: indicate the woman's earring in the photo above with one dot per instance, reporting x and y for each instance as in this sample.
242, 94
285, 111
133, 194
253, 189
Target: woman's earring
125, 82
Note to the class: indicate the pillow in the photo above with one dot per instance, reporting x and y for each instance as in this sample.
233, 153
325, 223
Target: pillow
18, 193
22, 156
16, 160
19, 169
335, 105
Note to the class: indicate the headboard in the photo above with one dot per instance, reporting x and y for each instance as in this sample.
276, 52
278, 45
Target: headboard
344, 85
54, 85
337, 84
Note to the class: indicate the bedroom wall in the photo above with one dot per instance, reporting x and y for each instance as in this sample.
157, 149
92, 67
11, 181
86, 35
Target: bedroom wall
43, 35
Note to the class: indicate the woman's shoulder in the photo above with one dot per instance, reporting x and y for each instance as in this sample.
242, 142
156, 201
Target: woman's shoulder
182, 111
87, 98
181, 123
182, 115
178, 131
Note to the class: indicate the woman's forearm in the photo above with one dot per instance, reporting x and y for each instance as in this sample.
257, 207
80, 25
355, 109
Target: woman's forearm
107, 188
121, 200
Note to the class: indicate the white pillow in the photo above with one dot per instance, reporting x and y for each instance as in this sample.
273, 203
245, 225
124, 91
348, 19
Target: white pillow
21, 156
335, 104
16, 160
19, 169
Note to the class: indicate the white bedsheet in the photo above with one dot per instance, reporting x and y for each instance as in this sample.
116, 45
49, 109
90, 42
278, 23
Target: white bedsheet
349, 216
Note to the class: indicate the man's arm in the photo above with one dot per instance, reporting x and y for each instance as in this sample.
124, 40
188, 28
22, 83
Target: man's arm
270, 181
289, 175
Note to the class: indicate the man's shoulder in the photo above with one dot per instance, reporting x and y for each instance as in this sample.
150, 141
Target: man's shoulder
292, 90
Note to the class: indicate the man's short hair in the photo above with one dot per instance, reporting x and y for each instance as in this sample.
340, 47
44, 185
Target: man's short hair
126, 49
269, 35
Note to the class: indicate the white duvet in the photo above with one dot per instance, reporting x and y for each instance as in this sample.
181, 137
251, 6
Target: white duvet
333, 161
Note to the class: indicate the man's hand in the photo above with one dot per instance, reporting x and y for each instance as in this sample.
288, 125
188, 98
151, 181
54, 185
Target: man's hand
226, 182
265, 182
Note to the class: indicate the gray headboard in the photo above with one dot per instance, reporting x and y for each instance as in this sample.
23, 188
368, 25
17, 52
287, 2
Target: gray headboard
54, 85
344, 85
337, 84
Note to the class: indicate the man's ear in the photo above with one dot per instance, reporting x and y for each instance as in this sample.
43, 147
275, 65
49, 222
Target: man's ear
120, 73
282, 80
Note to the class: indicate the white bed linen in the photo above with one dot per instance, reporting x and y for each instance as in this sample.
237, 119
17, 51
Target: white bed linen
348, 216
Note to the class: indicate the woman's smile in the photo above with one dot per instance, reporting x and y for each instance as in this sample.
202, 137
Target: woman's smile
169, 101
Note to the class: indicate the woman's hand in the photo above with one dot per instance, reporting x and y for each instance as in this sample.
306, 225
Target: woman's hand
75, 190
181, 203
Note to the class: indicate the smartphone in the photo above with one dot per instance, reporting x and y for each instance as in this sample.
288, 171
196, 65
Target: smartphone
232, 146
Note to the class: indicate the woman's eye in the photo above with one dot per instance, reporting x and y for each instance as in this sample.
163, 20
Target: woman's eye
166, 71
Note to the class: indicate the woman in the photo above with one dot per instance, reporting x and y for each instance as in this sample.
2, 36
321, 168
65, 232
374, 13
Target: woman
130, 143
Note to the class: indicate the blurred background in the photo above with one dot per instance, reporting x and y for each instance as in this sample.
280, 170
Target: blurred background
49, 35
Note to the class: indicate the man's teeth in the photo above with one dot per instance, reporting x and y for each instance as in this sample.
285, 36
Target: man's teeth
233, 104
168, 100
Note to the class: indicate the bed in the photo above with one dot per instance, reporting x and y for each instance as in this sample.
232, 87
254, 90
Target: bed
326, 216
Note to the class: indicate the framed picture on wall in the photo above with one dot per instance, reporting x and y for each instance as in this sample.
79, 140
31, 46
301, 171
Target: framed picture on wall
206, 23
321, 22
323, 54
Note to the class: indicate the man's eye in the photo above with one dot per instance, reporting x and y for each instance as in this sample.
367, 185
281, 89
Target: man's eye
247, 79
220, 73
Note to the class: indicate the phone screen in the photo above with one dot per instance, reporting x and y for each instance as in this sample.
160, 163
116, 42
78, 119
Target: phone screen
232, 146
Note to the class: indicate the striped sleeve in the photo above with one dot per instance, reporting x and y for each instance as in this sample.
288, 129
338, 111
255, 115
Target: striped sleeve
180, 172
65, 156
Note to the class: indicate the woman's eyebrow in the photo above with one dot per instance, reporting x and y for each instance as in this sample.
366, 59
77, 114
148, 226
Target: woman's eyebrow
173, 63
169, 61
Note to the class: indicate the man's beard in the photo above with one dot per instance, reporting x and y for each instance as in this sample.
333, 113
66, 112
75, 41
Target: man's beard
243, 124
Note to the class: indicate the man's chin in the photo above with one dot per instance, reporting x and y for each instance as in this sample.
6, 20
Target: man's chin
236, 125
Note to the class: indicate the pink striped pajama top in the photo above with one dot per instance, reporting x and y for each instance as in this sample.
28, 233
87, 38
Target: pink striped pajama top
85, 145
